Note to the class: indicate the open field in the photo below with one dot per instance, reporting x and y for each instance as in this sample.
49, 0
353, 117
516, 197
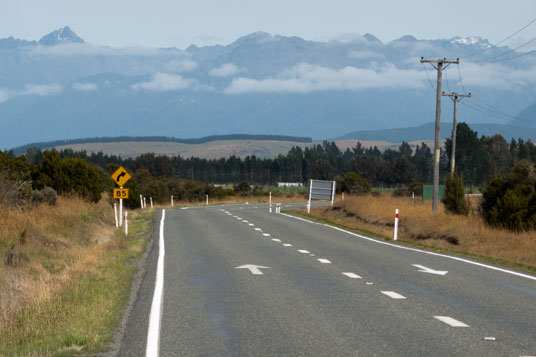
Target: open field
419, 225
217, 149
65, 276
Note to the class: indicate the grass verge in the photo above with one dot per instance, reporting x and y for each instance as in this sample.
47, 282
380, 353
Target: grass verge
419, 227
77, 280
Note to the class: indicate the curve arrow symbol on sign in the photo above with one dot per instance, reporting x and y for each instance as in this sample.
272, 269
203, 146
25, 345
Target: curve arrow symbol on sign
254, 269
424, 269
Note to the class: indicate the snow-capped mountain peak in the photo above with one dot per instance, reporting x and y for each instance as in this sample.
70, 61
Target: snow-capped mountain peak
62, 35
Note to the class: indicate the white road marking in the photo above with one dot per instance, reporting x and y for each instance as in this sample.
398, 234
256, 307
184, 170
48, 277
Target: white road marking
254, 269
450, 321
311, 255
352, 275
393, 295
324, 261
490, 339
303, 251
276, 240
258, 229
369, 283
245, 221
266, 234
424, 269
287, 245
251, 225
184, 208
153, 334
415, 249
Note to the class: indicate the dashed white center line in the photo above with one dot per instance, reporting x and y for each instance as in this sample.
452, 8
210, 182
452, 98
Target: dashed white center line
352, 275
251, 225
324, 261
258, 229
266, 234
393, 295
276, 240
450, 321
287, 245
303, 251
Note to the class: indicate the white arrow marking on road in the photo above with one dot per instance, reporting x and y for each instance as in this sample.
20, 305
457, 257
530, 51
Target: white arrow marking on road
254, 269
430, 271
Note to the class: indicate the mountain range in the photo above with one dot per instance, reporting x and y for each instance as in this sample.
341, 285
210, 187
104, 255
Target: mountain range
61, 87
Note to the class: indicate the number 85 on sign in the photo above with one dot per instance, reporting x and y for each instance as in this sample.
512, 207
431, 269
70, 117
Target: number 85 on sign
121, 193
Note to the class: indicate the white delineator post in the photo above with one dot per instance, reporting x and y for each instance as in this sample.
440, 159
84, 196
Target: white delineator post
115, 215
333, 193
396, 224
270, 202
309, 200
151, 202
120, 210
206, 197
144, 202
141, 201
126, 223
171, 200
343, 196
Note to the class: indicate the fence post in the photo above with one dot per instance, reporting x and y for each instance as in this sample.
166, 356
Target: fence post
396, 224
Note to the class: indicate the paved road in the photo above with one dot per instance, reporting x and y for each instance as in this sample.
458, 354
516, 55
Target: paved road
322, 292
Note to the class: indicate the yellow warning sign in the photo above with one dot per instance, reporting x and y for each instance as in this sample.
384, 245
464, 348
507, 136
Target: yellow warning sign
121, 176
121, 193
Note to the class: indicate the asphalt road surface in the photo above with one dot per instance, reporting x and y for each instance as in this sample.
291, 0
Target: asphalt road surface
238, 281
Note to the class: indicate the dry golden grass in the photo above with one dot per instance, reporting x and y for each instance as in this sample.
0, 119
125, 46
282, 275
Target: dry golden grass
45, 249
418, 223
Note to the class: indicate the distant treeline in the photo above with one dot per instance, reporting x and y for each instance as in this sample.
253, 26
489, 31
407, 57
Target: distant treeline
50, 144
477, 159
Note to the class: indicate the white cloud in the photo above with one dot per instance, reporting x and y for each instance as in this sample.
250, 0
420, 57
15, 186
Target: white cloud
41, 89
306, 78
4, 95
163, 82
181, 66
225, 70
495, 76
365, 54
85, 86
83, 49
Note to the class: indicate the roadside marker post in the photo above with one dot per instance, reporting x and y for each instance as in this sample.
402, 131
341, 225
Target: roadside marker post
270, 202
343, 196
120, 211
151, 202
115, 215
141, 201
206, 199
126, 223
396, 224
171, 200
144, 202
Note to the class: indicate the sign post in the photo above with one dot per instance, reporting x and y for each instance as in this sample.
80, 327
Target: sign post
321, 190
120, 177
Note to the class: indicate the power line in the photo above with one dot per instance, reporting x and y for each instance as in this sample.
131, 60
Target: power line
505, 53
506, 39
461, 82
427, 76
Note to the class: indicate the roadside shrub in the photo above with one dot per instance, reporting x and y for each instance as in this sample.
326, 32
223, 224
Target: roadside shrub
454, 199
47, 195
352, 183
243, 188
511, 202
13, 193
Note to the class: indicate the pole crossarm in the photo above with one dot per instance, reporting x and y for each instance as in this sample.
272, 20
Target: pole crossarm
456, 95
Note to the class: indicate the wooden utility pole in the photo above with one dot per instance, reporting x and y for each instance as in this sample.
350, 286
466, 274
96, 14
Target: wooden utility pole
439, 68
454, 97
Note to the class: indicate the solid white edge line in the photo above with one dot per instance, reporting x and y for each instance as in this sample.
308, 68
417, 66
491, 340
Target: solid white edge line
450, 321
153, 334
526, 276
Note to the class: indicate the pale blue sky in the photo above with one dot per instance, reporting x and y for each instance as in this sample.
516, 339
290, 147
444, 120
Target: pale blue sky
178, 23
